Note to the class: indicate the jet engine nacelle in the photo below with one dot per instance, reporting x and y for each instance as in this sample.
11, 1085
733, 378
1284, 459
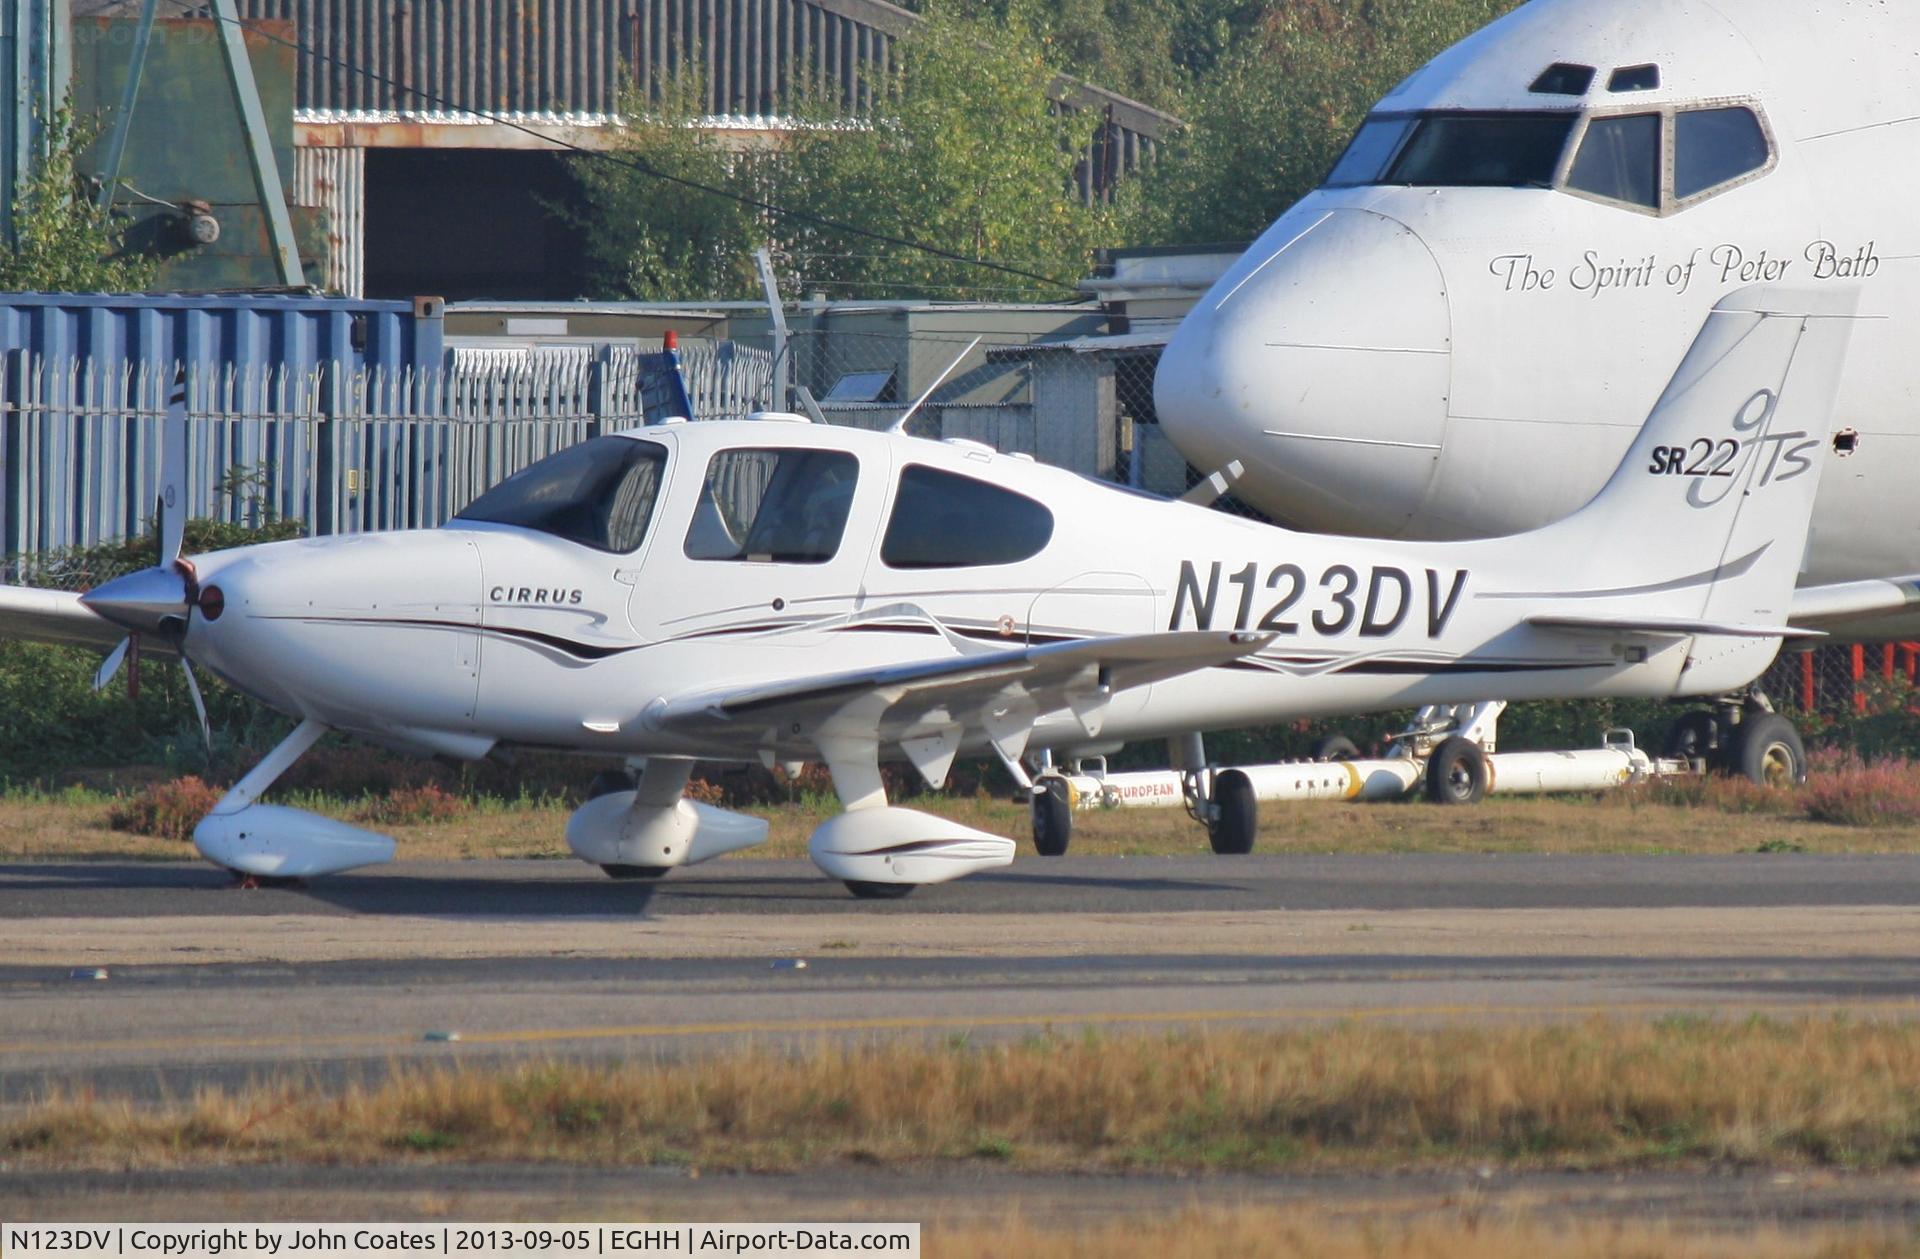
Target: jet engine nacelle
612, 830
894, 845
274, 841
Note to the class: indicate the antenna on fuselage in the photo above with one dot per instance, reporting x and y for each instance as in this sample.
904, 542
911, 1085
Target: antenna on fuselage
900, 425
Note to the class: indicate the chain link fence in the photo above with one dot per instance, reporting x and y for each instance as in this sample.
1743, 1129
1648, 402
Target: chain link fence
1846, 679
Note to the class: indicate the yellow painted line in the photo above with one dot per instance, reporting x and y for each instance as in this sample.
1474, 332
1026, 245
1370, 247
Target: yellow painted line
901, 1023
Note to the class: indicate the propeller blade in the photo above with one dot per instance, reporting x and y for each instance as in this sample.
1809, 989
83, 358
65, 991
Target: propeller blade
173, 473
111, 665
199, 706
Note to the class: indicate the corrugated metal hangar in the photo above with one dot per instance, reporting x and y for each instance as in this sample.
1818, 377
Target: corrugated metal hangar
411, 137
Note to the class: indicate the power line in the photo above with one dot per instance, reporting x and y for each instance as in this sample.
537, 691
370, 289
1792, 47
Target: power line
192, 9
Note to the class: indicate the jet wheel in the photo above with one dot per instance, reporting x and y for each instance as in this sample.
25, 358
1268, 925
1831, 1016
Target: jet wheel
1236, 814
1698, 734
1336, 747
868, 891
1052, 817
1457, 772
1768, 750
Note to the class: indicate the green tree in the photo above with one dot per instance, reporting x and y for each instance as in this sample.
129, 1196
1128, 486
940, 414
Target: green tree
652, 239
1277, 108
967, 153
63, 241
963, 152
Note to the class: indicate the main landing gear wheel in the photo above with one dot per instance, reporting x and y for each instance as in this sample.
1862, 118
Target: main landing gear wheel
879, 891
1052, 817
1336, 747
1767, 749
1698, 735
1457, 772
606, 783
1236, 814
635, 872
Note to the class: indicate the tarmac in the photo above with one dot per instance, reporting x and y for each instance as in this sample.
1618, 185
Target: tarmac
155, 980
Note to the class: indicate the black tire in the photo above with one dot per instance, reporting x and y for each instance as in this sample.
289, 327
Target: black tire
1052, 818
1767, 750
1457, 772
608, 781
1696, 734
635, 872
1236, 814
1336, 747
879, 891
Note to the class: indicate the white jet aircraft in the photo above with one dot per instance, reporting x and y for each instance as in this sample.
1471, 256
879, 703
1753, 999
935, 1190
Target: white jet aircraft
788, 591
1461, 331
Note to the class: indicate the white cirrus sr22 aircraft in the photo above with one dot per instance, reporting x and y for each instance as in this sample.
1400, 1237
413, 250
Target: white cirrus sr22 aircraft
786, 592
1461, 331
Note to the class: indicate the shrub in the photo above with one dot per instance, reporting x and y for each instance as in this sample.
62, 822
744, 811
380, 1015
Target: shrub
415, 806
1851, 792
168, 810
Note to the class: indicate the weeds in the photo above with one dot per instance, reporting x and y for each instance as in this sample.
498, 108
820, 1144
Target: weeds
1603, 1094
1849, 792
168, 810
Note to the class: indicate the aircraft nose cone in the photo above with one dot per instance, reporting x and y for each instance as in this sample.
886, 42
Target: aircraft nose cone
151, 601
1323, 361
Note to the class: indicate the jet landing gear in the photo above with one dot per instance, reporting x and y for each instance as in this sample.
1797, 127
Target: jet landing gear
1220, 800
1741, 736
1224, 801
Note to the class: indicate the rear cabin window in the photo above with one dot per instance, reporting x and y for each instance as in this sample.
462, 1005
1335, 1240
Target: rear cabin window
1494, 150
1712, 147
773, 506
943, 520
1620, 160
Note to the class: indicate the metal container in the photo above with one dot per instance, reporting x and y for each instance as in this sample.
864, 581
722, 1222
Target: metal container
248, 332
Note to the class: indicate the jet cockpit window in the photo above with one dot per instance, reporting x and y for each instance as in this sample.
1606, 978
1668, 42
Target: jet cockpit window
599, 493
1712, 147
1511, 149
1563, 79
942, 520
773, 506
1619, 160
1367, 156
1634, 79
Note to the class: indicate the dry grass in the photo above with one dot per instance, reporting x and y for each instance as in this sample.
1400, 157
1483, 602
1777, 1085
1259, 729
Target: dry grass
1603, 1094
1687, 817
1236, 1234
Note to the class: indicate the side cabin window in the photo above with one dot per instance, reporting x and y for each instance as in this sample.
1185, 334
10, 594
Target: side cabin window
944, 520
774, 506
1712, 147
599, 493
1619, 160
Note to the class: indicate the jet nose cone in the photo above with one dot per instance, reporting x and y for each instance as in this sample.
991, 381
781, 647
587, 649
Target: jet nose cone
1323, 361
151, 601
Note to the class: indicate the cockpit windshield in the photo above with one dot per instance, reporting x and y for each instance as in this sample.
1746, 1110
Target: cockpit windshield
1708, 148
600, 494
1505, 149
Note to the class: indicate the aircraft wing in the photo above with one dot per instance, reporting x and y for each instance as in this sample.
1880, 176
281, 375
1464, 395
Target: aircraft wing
1667, 627
1853, 600
53, 616
935, 702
